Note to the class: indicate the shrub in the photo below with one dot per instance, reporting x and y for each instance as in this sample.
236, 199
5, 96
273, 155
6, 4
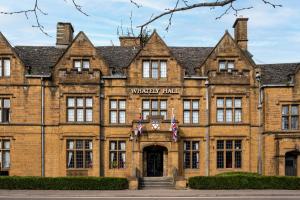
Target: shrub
63, 183
240, 181
238, 174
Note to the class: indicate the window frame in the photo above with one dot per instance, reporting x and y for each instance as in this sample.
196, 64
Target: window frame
75, 151
81, 60
226, 64
224, 152
118, 110
159, 71
119, 152
2, 67
159, 110
2, 152
75, 108
289, 116
232, 109
190, 153
2, 107
191, 111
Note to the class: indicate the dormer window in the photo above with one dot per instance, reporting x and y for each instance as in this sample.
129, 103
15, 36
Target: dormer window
4, 67
80, 64
155, 69
226, 65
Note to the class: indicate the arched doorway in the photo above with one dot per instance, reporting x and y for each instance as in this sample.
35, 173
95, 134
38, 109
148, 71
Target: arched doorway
291, 163
155, 159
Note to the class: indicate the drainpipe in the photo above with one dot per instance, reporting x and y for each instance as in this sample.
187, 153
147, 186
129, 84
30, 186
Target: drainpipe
43, 124
101, 108
207, 144
260, 138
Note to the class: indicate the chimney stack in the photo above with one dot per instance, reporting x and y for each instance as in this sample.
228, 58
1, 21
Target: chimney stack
240, 32
64, 34
129, 41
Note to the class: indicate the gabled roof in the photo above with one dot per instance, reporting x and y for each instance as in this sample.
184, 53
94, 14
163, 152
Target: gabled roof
278, 73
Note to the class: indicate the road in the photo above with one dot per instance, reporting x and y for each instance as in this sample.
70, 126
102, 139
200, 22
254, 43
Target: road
150, 194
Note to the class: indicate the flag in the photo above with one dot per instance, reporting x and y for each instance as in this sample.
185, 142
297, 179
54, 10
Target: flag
174, 128
140, 126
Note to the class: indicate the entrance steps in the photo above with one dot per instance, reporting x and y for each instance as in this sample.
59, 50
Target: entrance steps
156, 183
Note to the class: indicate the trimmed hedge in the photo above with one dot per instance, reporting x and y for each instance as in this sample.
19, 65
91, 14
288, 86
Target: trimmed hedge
63, 183
240, 181
238, 174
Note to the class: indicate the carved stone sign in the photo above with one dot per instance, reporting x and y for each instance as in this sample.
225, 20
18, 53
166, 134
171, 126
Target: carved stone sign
154, 91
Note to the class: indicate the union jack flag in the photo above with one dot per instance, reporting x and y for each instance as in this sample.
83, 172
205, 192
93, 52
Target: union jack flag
140, 126
174, 128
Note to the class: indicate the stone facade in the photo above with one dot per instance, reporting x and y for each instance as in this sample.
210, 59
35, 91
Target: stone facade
42, 81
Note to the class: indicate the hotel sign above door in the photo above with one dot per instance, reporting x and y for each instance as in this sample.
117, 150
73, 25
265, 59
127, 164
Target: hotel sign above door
156, 91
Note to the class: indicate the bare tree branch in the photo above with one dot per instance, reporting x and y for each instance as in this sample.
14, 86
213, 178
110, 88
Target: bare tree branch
135, 3
272, 4
236, 10
79, 8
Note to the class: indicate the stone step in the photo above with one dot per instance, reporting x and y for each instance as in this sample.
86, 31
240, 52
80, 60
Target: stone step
156, 183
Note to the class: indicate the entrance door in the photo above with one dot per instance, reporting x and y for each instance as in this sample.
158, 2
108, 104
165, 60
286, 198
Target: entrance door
290, 165
155, 161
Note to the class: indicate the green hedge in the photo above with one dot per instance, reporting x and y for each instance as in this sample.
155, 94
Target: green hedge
63, 183
237, 181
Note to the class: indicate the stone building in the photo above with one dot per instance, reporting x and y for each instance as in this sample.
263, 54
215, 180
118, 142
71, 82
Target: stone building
76, 109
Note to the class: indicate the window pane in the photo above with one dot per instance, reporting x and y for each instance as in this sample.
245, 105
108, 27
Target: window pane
77, 64
79, 159
229, 144
195, 145
88, 144
294, 122
238, 115
230, 64
122, 160
186, 117
86, 64
186, 105
6, 67
0, 67
71, 102
163, 69
220, 144
113, 104
154, 105
122, 146
228, 159
88, 159
122, 117
89, 115
163, 105
79, 144
238, 103
285, 110
294, 110
154, 69
122, 105
238, 144
145, 114
195, 160
113, 160
6, 103
5, 114
222, 65
228, 115
80, 115
89, 102
220, 159
146, 105
195, 117
154, 113
6, 144
0, 115
229, 103
71, 117
220, 115
238, 159
113, 145
70, 144
70, 159
146, 69
195, 105
187, 145
220, 103
285, 123
187, 162
6, 159
113, 117
79, 102
164, 114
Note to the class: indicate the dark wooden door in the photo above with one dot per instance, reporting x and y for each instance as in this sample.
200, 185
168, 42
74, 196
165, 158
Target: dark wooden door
291, 166
155, 163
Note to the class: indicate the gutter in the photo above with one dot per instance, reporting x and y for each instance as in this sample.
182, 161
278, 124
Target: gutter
278, 85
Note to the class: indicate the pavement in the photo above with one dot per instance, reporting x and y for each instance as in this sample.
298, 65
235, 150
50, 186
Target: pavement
149, 194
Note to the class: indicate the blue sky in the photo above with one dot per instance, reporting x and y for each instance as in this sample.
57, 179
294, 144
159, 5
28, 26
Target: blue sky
274, 34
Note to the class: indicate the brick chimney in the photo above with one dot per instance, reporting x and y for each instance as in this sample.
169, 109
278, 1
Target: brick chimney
129, 41
64, 34
240, 32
